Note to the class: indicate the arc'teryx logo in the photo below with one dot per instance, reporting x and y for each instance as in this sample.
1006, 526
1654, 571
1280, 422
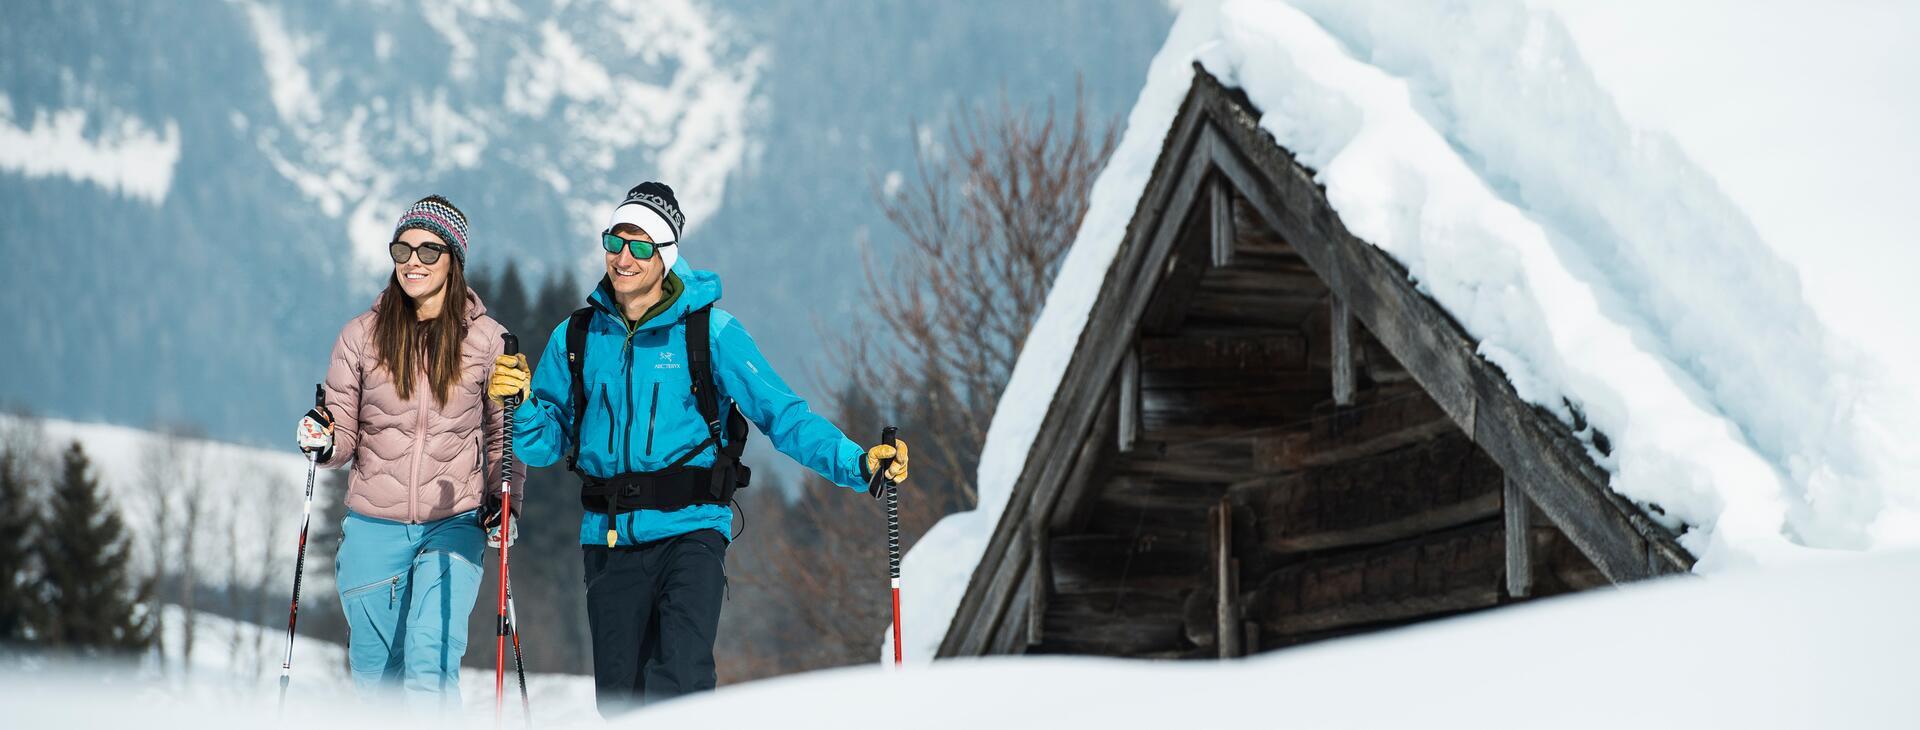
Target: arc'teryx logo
666, 362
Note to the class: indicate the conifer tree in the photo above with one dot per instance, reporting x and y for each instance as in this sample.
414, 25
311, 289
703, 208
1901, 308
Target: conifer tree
93, 604
19, 519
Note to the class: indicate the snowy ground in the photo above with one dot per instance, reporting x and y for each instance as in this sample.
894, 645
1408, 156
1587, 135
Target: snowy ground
1598, 262
1814, 646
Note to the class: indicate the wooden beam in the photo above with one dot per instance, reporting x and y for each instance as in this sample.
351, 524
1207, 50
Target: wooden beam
1129, 400
1040, 588
1342, 353
1226, 579
1220, 222
1436, 350
1519, 526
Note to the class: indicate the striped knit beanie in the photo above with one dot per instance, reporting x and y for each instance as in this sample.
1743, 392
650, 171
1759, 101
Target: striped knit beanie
437, 216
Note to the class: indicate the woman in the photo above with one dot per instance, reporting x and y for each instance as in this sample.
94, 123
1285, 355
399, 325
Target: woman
406, 405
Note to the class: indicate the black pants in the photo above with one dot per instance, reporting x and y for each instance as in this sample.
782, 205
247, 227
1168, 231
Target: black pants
653, 610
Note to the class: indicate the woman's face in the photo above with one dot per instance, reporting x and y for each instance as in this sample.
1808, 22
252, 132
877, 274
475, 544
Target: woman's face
418, 280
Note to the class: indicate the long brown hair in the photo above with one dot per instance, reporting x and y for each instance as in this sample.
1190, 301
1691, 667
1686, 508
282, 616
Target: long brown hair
403, 342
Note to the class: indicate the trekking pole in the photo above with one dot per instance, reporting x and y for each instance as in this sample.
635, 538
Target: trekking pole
506, 538
300, 562
893, 532
519, 668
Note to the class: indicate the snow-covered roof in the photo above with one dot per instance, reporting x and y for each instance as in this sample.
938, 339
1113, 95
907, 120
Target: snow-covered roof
1595, 263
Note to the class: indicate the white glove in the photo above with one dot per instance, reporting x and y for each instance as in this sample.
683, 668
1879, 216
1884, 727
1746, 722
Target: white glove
493, 535
315, 433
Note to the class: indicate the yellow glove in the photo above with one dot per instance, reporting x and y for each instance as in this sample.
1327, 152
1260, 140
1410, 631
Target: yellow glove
896, 473
510, 376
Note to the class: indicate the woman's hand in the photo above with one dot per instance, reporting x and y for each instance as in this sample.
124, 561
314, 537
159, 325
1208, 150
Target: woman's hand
315, 433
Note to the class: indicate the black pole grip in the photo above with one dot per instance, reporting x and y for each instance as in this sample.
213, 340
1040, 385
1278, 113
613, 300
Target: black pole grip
512, 345
887, 437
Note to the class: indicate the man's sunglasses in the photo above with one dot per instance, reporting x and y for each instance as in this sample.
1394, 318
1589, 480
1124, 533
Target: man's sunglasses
642, 250
429, 252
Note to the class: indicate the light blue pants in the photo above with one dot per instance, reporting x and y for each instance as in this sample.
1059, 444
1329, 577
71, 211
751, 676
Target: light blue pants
407, 591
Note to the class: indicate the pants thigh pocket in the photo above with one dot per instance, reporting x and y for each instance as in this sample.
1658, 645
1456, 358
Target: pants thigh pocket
374, 623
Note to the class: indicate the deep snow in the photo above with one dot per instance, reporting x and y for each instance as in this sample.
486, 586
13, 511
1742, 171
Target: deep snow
1804, 647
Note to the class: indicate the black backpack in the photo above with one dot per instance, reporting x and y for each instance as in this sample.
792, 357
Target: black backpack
677, 485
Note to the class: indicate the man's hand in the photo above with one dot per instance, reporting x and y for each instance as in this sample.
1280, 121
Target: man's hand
897, 472
510, 377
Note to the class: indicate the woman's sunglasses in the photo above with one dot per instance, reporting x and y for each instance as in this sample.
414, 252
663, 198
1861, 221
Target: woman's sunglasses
429, 252
642, 250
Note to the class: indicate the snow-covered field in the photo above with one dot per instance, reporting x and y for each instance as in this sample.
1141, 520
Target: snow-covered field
249, 499
1813, 646
1598, 261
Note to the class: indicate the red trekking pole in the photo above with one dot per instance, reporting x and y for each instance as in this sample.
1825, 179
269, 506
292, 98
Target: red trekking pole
512, 347
875, 485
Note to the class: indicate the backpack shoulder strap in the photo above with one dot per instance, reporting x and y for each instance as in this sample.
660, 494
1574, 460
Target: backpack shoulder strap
576, 370
700, 367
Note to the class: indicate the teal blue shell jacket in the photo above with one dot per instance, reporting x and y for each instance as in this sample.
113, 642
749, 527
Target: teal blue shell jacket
640, 413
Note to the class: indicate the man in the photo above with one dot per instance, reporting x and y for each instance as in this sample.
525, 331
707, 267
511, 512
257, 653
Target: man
653, 427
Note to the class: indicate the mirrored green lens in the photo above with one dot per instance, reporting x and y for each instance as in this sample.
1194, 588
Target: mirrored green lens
641, 249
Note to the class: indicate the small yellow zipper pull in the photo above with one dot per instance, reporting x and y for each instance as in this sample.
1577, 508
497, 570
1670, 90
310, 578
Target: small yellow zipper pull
610, 537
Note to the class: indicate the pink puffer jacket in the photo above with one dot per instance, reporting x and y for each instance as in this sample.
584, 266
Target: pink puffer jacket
414, 460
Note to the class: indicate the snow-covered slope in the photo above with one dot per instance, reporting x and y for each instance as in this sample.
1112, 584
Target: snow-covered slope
1596, 262
1799, 648
249, 498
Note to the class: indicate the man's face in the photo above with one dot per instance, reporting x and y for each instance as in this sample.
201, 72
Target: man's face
631, 276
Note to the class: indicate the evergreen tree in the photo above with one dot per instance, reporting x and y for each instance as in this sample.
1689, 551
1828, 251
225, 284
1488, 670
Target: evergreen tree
92, 603
19, 518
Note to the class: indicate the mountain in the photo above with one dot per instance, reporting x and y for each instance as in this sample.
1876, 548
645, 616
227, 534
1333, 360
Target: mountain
194, 197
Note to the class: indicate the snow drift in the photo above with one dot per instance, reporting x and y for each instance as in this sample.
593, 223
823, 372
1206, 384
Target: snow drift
1778, 649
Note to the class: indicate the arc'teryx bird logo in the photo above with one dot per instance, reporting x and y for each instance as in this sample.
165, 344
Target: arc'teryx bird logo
666, 362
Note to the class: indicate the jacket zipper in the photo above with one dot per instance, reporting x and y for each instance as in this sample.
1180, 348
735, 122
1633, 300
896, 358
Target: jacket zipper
419, 447
607, 403
652, 408
626, 440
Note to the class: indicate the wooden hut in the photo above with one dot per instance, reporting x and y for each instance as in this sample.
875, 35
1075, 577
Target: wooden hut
1267, 436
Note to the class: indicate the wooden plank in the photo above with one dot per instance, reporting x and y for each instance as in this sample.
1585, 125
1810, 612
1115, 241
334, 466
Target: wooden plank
1519, 527
1382, 419
1113, 624
1090, 462
1435, 350
1342, 353
1128, 395
1220, 222
1418, 489
1440, 573
1010, 637
1231, 351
